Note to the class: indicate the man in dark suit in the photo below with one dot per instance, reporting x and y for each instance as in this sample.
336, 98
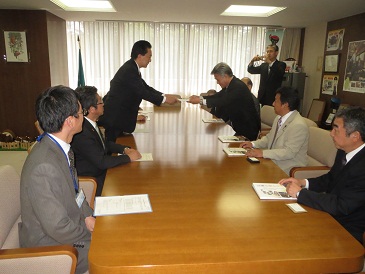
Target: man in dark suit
233, 103
127, 89
271, 74
54, 210
340, 192
92, 152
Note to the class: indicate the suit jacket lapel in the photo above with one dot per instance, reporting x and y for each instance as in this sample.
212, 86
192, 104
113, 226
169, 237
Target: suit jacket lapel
93, 132
287, 122
64, 165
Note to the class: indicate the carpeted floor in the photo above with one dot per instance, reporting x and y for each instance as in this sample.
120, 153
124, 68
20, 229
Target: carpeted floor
13, 158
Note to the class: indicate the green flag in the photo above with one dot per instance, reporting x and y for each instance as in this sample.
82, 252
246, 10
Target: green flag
81, 77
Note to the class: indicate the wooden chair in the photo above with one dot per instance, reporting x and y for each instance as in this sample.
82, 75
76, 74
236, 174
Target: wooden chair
321, 155
16, 260
38, 127
88, 184
316, 111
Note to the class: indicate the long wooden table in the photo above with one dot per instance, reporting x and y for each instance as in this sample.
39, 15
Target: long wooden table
206, 217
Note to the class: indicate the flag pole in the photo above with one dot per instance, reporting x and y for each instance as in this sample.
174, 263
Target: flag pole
81, 77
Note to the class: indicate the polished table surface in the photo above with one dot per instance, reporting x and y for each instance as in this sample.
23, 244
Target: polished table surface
206, 217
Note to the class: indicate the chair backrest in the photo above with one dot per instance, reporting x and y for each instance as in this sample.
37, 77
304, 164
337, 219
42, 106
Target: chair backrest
316, 110
321, 149
9, 207
310, 123
268, 116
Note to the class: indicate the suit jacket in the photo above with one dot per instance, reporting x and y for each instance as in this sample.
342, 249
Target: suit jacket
269, 82
341, 193
92, 158
235, 104
127, 89
290, 144
50, 214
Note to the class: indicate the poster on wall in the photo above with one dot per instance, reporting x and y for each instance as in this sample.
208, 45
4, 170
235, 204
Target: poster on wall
355, 67
335, 39
329, 84
274, 37
16, 46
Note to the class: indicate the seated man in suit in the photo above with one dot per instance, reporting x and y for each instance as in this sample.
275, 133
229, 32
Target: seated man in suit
92, 152
249, 84
233, 103
287, 142
54, 210
340, 192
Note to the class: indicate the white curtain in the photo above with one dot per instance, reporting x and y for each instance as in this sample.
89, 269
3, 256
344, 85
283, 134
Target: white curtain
183, 55
291, 44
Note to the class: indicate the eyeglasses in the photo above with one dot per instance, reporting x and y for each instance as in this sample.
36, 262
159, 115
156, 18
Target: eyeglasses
82, 112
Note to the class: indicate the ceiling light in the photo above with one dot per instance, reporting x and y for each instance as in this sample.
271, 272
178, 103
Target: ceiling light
253, 11
85, 5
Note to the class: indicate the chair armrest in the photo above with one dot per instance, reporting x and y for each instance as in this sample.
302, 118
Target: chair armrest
308, 171
88, 185
39, 259
264, 132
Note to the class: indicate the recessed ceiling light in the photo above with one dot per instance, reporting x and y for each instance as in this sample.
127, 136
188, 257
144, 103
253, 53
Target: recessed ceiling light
253, 11
85, 5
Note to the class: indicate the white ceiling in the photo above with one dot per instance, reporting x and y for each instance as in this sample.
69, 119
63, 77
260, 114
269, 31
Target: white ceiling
299, 13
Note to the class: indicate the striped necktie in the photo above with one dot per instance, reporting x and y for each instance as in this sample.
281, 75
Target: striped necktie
276, 132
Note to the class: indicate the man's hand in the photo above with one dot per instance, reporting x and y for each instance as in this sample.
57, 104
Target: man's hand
293, 186
170, 99
133, 154
246, 145
141, 118
194, 99
254, 153
90, 223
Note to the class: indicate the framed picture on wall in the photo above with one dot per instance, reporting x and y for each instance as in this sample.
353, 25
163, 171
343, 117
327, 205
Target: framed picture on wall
331, 63
16, 46
335, 39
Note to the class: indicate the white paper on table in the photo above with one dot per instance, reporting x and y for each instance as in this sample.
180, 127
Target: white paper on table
126, 204
145, 157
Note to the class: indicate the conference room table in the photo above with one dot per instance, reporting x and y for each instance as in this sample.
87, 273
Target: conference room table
206, 217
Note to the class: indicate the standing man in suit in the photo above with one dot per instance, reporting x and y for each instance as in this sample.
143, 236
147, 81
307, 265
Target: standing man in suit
234, 103
340, 192
287, 142
271, 74
92, 152
53, 208
127, 89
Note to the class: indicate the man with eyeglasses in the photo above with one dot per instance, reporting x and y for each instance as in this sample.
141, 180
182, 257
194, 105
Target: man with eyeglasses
53, 208
92, 152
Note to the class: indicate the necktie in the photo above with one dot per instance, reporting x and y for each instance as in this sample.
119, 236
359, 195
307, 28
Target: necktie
71, 157
100, 135
344, 161
276, 131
